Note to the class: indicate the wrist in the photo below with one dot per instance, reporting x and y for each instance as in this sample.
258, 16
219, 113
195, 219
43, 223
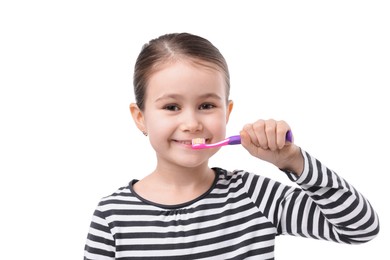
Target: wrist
293, 163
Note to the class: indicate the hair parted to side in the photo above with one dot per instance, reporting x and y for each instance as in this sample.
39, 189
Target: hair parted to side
173, 46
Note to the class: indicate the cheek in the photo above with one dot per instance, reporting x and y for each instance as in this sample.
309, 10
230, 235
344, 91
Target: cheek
158, 126
218, 126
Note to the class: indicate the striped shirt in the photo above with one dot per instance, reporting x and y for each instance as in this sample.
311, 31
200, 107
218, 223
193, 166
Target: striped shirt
238, 218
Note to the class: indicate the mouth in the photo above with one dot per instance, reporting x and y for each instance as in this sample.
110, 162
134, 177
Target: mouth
185, 142
189, 142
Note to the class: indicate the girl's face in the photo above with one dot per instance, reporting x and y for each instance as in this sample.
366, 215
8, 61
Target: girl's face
184, 100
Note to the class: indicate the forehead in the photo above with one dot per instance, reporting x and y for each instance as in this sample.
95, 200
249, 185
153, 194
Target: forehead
187, 77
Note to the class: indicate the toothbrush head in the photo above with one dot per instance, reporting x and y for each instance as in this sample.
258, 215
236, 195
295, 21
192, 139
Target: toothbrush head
200, 143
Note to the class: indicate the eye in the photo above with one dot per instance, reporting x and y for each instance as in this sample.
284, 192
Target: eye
172, 107
206, 106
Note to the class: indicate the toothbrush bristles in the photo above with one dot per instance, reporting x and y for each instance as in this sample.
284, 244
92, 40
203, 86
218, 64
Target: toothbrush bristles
198, 141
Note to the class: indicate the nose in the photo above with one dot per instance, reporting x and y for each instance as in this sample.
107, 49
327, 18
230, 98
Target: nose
190, 122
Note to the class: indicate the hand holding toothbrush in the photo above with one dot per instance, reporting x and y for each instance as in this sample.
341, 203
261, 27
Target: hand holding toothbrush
272, 141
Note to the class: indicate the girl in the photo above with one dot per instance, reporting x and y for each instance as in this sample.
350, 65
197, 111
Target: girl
186, 210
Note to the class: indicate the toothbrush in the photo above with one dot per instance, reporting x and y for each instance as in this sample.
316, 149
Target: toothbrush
199, 143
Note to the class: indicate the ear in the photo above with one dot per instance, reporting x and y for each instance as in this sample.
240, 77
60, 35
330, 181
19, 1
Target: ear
138, 117
229, 110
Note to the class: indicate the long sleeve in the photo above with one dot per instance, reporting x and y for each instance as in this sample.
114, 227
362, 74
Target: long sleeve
324, 207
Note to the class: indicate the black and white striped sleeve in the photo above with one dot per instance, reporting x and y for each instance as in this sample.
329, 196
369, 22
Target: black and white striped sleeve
324, 207
100, 241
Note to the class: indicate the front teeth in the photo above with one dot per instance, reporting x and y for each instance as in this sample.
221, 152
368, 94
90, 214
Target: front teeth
198, 141
194, 141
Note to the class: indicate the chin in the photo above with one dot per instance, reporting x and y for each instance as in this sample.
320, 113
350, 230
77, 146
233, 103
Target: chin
187, 160
186, 157
191, 163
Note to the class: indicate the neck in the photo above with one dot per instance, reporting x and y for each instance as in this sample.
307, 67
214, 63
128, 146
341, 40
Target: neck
172, 184
176, 176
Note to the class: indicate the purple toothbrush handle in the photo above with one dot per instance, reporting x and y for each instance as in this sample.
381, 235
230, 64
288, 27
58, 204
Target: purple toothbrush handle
236, 139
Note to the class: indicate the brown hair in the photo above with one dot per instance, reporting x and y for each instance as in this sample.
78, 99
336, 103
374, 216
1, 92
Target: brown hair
169, 47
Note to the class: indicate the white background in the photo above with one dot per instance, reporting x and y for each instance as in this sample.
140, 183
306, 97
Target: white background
67, 139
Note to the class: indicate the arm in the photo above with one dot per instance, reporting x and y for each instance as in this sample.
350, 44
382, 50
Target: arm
326, 206
323, 207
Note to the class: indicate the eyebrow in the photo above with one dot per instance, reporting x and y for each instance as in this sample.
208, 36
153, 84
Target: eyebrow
177, 96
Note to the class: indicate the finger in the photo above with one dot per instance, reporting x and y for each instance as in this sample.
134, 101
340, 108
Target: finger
270, 131
246, 142
259, 130
251, 134
281, 134
245, 139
